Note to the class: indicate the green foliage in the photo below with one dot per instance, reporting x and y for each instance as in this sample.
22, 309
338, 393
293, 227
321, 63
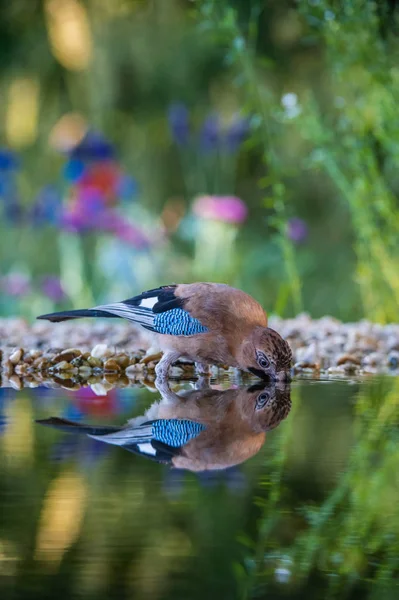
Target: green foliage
318, 81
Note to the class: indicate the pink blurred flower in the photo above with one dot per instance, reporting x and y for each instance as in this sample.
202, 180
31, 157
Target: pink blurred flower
15, 284
229, 209
297, 230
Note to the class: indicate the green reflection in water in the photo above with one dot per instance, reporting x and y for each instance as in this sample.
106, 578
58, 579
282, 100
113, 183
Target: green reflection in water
313, 513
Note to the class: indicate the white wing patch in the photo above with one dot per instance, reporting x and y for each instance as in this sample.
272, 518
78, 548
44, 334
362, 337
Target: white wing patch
148, 302
144, 316
147, 449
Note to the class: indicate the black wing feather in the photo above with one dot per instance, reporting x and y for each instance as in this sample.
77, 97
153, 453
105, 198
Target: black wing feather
166, 299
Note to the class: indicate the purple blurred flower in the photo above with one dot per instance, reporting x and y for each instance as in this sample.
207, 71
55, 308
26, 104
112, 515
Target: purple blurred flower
210, 133
229, 209
93, 146
297, 230
52, 288
237, 133
179, 124
87, 211
131, 235
15, 284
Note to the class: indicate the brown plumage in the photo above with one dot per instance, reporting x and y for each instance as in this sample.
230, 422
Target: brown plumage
234, 425
204, 322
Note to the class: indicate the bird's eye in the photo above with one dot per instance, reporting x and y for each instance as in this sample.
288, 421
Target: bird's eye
262, 400
262, 359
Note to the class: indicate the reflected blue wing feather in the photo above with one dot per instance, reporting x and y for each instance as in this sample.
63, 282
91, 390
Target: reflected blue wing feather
176, 432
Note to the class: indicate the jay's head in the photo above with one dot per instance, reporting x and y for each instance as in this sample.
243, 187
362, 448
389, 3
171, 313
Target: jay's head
266, 354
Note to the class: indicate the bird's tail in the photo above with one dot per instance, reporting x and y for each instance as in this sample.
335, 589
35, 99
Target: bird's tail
67, 315
171, 432
73, 427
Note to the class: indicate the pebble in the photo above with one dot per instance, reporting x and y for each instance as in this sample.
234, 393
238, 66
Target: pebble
16, 356
102, 352
112, 366
15, 382
67, 355
63, 366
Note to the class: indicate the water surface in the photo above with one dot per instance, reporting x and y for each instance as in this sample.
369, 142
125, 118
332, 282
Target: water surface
308, 510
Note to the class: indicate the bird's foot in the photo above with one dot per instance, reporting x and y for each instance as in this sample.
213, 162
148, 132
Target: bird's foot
202, 368
167, 394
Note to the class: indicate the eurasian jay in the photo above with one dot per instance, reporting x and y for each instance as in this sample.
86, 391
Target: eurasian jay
198, 430
207, 323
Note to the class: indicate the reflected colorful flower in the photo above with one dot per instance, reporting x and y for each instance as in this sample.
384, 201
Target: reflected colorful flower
90, 403
229, 209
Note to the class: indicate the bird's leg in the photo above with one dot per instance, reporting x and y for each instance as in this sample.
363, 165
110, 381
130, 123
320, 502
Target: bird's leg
162, 368
167, 394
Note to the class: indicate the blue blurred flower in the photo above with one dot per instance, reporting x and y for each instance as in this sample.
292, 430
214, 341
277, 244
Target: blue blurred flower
237, 133
210, 133
74, 170
8, 160
178, 117
13, 212
126, 187
47, 207
93, 146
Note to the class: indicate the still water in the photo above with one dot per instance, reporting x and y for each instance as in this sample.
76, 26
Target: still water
228, 493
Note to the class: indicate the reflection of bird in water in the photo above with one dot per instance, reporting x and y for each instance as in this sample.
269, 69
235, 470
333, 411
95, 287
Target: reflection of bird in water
197, 430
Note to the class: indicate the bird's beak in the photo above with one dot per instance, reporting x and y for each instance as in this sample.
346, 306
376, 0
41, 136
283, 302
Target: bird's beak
283, 376
262, 375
